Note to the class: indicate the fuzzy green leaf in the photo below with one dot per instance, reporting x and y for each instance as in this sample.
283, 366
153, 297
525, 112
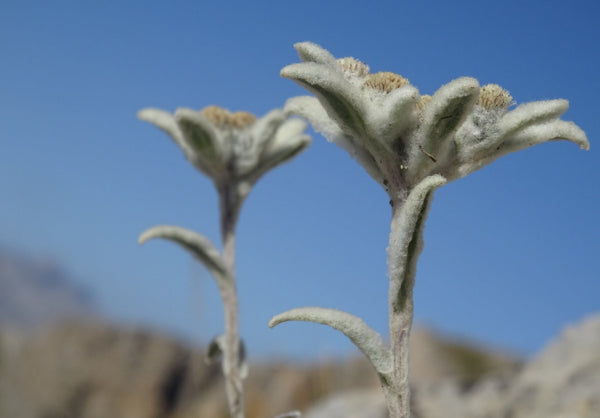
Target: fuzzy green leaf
529, 114
406, 240
552, 131
334, 92
524, 117
198, 245
283, 147
263, 130
448, 108
311, 109
166, 122
364, 337
528, 137
201, 136
311, 52
388, 120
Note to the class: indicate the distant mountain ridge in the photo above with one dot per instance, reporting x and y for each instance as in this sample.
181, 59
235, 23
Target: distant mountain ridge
35, 291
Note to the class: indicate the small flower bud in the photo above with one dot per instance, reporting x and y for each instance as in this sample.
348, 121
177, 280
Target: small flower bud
352, 66
492, 96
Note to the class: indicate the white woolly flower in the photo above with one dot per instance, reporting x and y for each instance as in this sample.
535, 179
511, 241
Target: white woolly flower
231, 147
401, 137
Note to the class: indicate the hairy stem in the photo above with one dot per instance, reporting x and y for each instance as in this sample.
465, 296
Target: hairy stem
397, 392
229, 207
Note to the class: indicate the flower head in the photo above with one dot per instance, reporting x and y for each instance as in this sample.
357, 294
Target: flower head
401, 137
232, 148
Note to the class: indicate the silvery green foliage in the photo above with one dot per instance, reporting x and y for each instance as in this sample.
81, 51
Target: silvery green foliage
400, 136
363, 336
410, 144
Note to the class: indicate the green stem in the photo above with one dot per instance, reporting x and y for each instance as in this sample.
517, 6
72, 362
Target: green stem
397, 392
229, 206
406, 243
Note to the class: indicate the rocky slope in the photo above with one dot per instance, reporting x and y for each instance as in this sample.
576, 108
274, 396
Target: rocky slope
94, 370
88, 369
563, 381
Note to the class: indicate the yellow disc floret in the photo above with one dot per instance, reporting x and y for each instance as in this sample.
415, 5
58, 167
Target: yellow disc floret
223, 117
241, 120
385, 81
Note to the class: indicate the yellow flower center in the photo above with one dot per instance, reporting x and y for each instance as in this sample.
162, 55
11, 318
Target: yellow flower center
241, 120
223, 117
492, 96
385, 81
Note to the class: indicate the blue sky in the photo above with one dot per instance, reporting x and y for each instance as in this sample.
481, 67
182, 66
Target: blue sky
512, 252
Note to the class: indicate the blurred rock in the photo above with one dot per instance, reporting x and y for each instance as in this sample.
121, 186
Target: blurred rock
92, 370
435, 358
563, 381
351, 404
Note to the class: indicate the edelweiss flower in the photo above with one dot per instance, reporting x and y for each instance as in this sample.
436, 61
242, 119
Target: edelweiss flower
234, 149
401, 137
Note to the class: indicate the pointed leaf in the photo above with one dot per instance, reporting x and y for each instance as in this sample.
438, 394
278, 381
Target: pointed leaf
528, 137
264, 128
523, 117
340, 99
287, 142
540, 133
406, 240
282, 152
311, 109
448, 108
529, 114
394, 115
363, 336
284, 147
311, 52
166, 122
203, 138
198, 245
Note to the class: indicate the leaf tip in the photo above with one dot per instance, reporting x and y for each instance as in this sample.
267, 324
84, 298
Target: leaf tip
273, 322
145, 236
